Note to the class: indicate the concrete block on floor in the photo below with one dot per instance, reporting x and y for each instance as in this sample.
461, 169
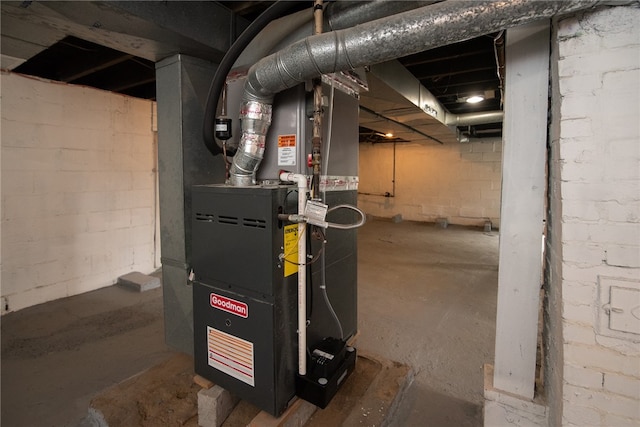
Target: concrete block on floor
502, 408
139, 282
214, 406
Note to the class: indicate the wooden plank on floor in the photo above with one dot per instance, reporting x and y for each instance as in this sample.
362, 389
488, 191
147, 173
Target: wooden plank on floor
297, 414
202, 382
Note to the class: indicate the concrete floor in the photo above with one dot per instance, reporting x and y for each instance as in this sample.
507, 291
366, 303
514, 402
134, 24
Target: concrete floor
427, 298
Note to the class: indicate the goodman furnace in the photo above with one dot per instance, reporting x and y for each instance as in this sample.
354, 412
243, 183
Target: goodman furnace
273, 249
245, 297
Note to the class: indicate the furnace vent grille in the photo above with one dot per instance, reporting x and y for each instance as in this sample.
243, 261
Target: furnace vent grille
257, 223
232, 220
204, 217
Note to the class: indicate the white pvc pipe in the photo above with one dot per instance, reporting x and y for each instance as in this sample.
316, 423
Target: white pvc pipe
301, 180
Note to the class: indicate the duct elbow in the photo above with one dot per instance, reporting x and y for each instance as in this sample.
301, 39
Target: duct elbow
254, 88
305, 59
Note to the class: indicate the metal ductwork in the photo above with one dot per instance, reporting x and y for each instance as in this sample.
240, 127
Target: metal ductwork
344, 14
370, 43
338, 15
471, 119
416, 99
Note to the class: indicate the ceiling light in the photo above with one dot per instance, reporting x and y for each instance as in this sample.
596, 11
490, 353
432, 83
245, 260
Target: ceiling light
475, 99
388, 135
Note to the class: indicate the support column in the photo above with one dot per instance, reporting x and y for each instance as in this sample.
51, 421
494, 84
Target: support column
183, 161
521, 225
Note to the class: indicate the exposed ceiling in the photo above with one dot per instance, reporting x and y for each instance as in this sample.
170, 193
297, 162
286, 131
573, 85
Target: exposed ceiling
455, 72
118, 62
77, 61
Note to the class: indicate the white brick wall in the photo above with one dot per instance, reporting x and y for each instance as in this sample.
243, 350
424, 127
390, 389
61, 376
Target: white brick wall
599, 185
78, 183
460, 182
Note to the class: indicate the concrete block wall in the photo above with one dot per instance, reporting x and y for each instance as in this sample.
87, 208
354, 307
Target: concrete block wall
78, 189
595, 216
457, 181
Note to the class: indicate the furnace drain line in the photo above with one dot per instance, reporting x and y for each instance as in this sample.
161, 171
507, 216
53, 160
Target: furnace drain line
301, 180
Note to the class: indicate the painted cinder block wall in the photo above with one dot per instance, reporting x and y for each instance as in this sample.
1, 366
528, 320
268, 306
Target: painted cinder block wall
78, 189
592, 372
457, 181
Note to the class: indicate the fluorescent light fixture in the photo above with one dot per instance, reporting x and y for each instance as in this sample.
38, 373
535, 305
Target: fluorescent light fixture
388, 135
475, 99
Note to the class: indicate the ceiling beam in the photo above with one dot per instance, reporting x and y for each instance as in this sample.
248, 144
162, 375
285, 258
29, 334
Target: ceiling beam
440, 76
126, 85
484, 43
148, 29
83, 66
428, 59
412, 129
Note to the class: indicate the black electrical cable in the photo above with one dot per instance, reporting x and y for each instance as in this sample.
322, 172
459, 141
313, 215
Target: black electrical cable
275, 11
286, 198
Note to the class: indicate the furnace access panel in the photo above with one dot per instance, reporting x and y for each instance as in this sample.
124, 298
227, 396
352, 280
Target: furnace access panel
244, 307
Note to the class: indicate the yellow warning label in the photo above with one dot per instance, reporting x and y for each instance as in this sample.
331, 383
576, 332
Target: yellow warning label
286, 141
290, 249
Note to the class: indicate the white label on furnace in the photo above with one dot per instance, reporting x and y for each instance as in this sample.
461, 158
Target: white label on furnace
231, 355
286, 150
323, 354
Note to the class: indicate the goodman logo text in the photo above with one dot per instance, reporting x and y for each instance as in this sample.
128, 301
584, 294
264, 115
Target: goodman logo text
229, 305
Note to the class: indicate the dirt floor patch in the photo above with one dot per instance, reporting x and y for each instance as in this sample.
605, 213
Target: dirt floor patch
165, 395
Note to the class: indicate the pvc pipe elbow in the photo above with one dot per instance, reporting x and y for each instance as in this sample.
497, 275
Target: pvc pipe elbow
300, 179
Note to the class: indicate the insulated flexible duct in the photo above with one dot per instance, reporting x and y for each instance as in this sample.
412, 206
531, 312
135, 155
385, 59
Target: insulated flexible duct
377, 41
